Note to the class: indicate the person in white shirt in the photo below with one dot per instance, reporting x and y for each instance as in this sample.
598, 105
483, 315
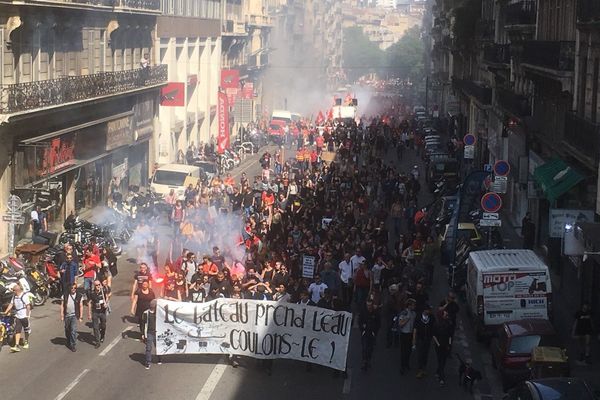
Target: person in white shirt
376, 271
356, 260
316, 289
346, 274
21, 304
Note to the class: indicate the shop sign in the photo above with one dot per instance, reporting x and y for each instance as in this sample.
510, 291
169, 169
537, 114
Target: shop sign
223, 123
118, 133
59, 155
173, 95
560, 218
144, 115
248, 91
230, 78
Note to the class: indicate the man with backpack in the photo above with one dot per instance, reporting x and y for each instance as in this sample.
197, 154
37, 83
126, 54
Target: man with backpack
98, 307
21, 304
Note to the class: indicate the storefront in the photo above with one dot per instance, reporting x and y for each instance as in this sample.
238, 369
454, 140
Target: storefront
75, 165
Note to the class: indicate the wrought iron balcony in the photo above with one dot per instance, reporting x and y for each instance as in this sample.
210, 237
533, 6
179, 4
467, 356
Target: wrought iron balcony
494, 53
259, 20
588, 11
481, 93
134, 4
583, 135
521, 13
21, 97
556, 55
513, 103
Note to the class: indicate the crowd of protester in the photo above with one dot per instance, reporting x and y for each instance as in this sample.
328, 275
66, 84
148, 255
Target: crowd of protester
357, 215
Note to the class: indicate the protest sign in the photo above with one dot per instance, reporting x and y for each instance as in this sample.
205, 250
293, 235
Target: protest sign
259, 329
308, 267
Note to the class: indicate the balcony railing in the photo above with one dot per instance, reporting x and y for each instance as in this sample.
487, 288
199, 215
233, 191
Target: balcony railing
481, 93
554, 55
583, 135
55, 92
135, 4
259, 20
588, 11
515, 104
495, 53
521, 13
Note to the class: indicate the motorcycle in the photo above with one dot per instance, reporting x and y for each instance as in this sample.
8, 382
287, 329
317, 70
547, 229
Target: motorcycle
29, 278
7, 329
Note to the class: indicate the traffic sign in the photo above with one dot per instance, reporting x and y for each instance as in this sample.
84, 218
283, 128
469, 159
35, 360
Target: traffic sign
490, 215
14, 203
501, 168
488, 167
469, 140
500, 184
491, 202
469, 151
490, 222
13, 219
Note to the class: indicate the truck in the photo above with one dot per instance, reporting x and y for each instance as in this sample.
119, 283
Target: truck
506, 285
344, 113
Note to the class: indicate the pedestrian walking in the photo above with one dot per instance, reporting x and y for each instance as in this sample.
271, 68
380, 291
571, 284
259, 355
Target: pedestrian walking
71, 311
148, 325
406, 325
582, 330
442, 338
21, 305
422, 334
141, 302
98, 307
528, 231
369, 322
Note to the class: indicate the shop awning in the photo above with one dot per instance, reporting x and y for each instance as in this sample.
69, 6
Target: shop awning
556, 178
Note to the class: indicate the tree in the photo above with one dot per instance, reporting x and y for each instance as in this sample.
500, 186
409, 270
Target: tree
361, 56
405, 57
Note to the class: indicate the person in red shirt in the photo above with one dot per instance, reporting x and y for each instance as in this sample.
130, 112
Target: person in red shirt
313, 158
91, 263
320, 141
209, 268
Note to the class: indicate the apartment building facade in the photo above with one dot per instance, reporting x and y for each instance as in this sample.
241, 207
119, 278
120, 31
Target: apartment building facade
79, 85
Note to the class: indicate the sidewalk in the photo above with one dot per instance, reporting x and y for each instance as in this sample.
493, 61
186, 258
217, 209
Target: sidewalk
566, 303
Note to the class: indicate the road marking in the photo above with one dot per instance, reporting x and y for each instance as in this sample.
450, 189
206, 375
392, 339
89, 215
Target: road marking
347, 381
65, 392
114, 342
212, 381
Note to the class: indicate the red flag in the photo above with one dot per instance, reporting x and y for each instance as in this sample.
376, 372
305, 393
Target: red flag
223, 115
330, 114
320, 118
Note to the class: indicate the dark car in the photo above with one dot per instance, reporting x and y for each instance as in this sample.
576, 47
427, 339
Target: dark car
551, 389
511, 350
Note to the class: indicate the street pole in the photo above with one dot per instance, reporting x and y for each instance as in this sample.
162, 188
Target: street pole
427, 95
11, 239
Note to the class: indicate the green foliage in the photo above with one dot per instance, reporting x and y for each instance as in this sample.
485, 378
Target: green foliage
361, 56
403, 59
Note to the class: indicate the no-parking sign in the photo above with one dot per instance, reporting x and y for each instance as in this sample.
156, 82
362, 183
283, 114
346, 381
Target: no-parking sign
491, 202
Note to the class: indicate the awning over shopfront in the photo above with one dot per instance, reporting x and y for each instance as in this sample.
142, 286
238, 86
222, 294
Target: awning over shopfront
556, 178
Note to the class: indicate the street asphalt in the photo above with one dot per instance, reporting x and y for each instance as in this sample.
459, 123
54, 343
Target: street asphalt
48, 370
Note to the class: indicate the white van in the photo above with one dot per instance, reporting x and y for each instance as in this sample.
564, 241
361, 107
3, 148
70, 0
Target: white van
507, 285
174, 176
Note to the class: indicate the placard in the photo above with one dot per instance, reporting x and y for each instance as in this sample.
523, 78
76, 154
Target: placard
254, 328
308, 267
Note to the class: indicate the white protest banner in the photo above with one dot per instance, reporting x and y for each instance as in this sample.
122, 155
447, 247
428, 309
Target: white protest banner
254, 328
308, 267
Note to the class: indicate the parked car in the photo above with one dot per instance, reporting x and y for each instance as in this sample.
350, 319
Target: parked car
552, 389
512, 348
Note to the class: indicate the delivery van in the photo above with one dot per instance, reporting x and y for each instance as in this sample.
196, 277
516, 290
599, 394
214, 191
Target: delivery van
506, 285
174, 176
